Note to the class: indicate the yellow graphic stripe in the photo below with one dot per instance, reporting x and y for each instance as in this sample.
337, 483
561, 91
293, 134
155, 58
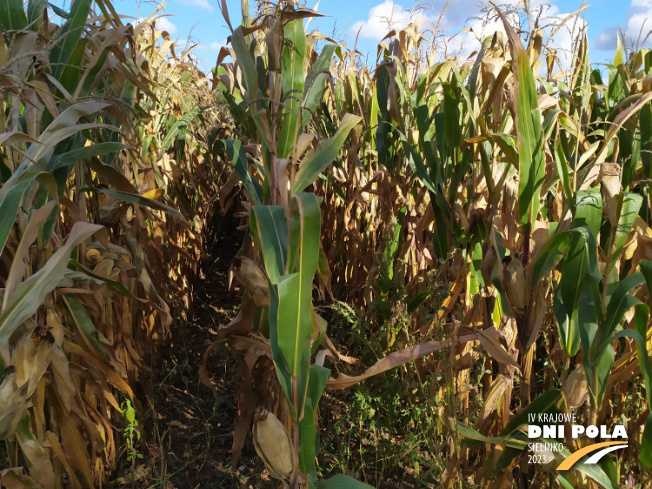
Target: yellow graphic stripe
570, 461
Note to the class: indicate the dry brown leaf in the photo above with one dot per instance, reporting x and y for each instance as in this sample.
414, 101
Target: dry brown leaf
16, 479
241, 325
247, 401
492, 346
31, 357
64, 386
395, 359
449, 302
38, 460
52, 442
75, 448
13, 405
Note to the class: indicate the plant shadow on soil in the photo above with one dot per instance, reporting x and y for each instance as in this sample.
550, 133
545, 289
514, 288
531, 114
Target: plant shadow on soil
187, 431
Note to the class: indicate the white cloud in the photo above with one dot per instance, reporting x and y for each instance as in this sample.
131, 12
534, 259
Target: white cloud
638, 22
216, 46
182, 45
606, 40
464, 44
163, 24
565, 38
197, 3
382, 19
472, 14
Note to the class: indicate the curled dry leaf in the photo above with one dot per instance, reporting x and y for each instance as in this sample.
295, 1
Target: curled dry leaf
492, 400
395, 359
247, 400
16, 479
65, 388
488, 340
38, 460
31, 357
13, 405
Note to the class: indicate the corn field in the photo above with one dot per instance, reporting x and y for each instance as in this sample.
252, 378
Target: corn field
436, 252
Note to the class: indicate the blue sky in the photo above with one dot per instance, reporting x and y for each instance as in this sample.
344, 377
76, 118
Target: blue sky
203, 22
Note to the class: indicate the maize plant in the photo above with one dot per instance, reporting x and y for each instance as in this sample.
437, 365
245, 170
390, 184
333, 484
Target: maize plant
90, 227
488, 219
529, 191
285, 223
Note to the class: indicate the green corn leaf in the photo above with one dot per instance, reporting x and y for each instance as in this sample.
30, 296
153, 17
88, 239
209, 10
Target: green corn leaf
564, 482
631, 204
68, 37
294, 322
64, 126
416, 163
293, 78
178, 128
529, 130
646, 140
319, 159
71, 157
643, 314
516, 443
11, 195
586, 325
646, 446
602, 367
280, 364
620, 302
309, 440
472, 436
568, 327
542, 404
549, 255
236, 154
35, 10
563, 170
317, 76
270, 229
341, 481
246, 62
509, 147
579, 264
588, 210
593, 471
12, 15
83, 322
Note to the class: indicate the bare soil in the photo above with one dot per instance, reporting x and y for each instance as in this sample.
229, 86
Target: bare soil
189, 429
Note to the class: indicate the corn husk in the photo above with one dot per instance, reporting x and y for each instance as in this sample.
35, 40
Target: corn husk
273, 445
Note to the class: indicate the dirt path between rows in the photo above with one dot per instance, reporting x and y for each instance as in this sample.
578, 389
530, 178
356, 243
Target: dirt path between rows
189, 447
187, 432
